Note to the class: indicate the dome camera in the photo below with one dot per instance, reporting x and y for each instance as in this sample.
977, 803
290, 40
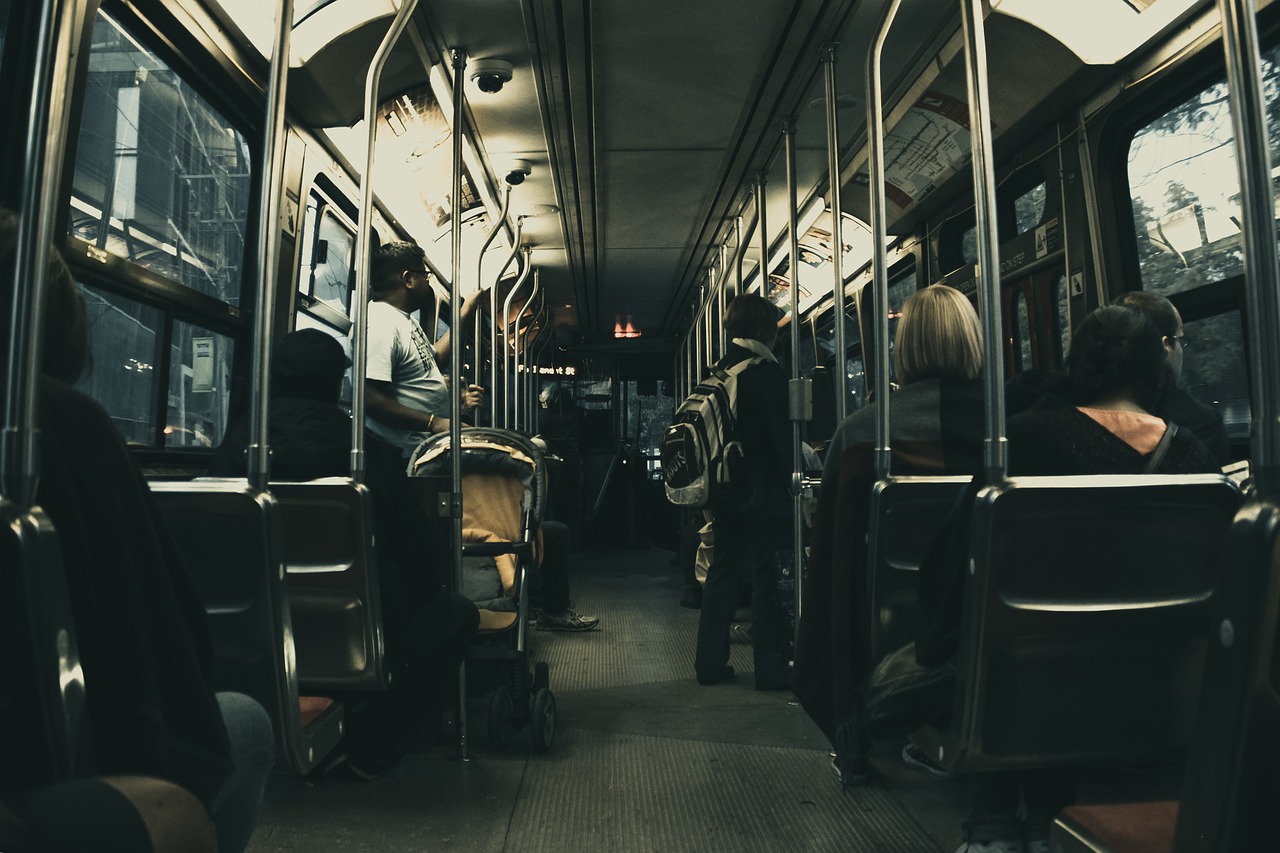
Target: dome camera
490, 75
517, 172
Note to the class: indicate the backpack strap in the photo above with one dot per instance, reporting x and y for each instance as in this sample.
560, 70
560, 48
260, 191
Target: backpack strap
1157, 455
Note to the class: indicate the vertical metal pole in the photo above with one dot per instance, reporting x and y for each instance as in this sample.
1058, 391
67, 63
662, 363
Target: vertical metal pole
761, 180
45, 145
494, 392
879, 229
459, 60
508, 354
837, 233
995, 453
738, 251
793, 246
269, 192
493, 307
515, 376
1258, 235
720, 294
359, 300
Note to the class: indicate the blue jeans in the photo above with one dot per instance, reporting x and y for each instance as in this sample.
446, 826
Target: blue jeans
253, 753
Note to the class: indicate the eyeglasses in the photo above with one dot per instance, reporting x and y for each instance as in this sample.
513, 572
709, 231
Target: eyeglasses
424, 272
1182, 339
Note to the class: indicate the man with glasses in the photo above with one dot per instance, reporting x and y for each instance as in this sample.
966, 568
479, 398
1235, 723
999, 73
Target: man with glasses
406, 394
1180, 407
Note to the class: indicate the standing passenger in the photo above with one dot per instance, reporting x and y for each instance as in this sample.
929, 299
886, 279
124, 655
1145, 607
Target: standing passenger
748, 537
406, 395
936, 428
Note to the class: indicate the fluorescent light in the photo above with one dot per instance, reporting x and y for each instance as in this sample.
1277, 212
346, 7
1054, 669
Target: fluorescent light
1100, 32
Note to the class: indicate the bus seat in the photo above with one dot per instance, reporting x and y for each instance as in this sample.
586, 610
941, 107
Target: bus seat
40, 641
332, 577
231, 536
906, 513
1086, 620
1230, 786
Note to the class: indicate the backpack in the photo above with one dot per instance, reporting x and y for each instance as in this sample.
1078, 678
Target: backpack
699, 453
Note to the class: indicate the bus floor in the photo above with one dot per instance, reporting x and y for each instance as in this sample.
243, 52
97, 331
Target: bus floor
644, 758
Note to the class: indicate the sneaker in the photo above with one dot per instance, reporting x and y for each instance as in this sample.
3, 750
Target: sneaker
857, 770
1006, 845
359, 769
569, 620
914, 757
740, 633
726, 673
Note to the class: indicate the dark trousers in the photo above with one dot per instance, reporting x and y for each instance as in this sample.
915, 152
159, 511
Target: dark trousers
745, 550
550, 583
994, 798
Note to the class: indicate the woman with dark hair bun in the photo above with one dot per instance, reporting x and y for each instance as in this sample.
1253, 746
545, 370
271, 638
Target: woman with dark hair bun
1118, 374
1118, 377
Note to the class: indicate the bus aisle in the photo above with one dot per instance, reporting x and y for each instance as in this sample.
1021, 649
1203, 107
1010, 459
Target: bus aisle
644, 758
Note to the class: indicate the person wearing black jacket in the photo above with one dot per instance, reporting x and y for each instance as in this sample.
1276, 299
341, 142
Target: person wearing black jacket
748, 533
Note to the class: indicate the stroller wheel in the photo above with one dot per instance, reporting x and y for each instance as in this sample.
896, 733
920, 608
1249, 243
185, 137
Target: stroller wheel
501, 709
541, 676
543, 729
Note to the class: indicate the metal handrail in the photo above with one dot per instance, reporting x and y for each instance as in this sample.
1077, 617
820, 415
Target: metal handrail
515, 361
493, 232
837, 230
879, 230
508, 378
359, 323
46, 134
269, 193
459, 62
797, 384
493, 326
995, 452
1257, 234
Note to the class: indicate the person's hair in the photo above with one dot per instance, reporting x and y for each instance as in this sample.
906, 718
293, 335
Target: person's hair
751, 316
1159, 309
938, 337
65, 348
389, 261
309, 364
1115, 352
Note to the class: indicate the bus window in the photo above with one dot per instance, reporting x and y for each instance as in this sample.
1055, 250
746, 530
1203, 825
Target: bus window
1023, 343
199, 385
4, 23
161, 177
1061, 318
121, 376
1213, 368
1185, 190
899, 291
324, 275
1028, 208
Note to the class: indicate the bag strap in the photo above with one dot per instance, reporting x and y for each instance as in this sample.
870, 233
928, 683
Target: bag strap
1157, 455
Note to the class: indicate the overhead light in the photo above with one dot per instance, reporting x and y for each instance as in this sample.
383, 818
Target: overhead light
1099, 32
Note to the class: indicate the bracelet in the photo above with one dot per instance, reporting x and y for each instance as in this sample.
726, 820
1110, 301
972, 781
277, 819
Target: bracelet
431, 419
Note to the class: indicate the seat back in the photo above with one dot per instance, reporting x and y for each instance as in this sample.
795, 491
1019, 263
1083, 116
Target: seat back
232, 540
332, 577
1232, 786
1086, 619
905, 514
43, 659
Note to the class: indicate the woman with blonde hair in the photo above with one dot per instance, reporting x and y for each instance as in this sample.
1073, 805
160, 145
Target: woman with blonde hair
936, 427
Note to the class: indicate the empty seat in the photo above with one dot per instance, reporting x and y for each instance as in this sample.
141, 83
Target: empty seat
232, 540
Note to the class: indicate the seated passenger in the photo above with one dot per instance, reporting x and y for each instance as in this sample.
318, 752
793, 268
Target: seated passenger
1118, 375
427, 628
936, 427
143, 639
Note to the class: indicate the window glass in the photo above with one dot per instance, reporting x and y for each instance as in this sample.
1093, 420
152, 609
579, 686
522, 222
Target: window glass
1213, 369
325, 272
1028, 208
161, 177
199, 386
857, 382
121, 375
1023, 332
969, 245
647, 418
4, 23
899, 291
1185, 189
1061, 316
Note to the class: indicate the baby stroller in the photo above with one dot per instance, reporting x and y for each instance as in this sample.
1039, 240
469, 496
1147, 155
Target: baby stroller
504, 488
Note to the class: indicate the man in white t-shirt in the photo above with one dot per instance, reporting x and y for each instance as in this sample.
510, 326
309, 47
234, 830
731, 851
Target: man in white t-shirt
406, 395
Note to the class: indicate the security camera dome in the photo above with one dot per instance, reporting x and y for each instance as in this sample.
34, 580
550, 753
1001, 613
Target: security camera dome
490, 75
517, 172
